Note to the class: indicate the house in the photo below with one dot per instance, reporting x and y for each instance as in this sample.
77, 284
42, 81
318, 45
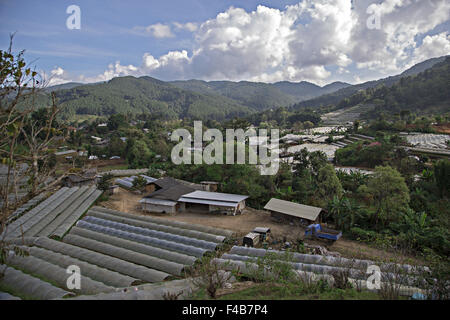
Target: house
165, 200
209, 185
293, 212
205, 201
85, 178
65, 155
173, 195
127, 182
167, 182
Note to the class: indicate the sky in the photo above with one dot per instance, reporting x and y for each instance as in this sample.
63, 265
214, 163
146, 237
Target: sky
320, 41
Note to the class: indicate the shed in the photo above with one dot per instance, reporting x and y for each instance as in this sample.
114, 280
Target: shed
251, 239
85, 178
293, 212
165, 200
263, 232
205, 201
158, 205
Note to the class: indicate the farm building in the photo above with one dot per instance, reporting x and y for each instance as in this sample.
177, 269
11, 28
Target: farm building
293, 212
204, 201
61, 155
128, 182
85, 178
165, 200
168, 182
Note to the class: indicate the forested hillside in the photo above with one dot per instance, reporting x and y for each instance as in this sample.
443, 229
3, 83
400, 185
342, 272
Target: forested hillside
260, 95
425, 93
335, 97
144, 95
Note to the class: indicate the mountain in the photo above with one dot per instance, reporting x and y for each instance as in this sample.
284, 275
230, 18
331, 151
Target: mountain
335, 97
68, 85
424, 93
260, 95
257, 95
144, 94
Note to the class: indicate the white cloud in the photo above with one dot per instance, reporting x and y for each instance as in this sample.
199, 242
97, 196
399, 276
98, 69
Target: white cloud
189, 26
57, 76
432, 46
157, 30
300, 42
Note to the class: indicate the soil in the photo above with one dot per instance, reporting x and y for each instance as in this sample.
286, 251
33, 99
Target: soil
127, 201
442, 128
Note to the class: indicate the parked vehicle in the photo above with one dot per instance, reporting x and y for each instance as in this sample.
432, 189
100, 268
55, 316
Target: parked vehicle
318, 231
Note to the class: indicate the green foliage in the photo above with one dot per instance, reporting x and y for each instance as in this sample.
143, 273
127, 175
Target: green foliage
117, 121
139, 183
364, 155
143, 95
105, 182
389, 193
328, 184
139, 155
442, 176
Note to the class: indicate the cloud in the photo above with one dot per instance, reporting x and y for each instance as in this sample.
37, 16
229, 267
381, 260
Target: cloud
189, 26
57, 76
157, 30
301, 42
432, 46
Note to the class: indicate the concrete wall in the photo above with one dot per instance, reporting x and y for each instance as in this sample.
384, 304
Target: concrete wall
148, 207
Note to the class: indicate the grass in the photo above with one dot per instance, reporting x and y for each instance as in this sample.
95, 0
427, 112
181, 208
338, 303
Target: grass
274, 291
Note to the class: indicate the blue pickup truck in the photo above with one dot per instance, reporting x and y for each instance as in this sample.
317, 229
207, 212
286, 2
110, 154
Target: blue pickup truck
318, 231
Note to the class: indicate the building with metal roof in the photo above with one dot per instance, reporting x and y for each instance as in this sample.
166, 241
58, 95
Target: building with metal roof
293, 212
204, 201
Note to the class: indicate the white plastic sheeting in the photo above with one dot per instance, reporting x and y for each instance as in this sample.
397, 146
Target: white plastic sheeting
125, 254
20, 225
29, 286
323, 260
178, 224
135, 246
164, 244
49, 220
55, 274
92, 271
210, 246
72, 217
158, 227
102, 260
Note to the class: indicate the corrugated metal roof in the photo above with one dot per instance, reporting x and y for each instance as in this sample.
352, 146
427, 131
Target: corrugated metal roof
211, 202
216, 196
172, 193
158, 201
293, 209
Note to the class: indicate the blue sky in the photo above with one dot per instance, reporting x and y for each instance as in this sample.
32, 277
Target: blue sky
233, 48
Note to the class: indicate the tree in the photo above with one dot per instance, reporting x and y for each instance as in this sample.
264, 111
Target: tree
389, 193
25, 137
328, 184
105, 182
139, 183
139, 155
116, 121
442, 176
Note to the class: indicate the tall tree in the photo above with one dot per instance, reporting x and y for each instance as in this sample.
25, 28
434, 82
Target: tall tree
389, 193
